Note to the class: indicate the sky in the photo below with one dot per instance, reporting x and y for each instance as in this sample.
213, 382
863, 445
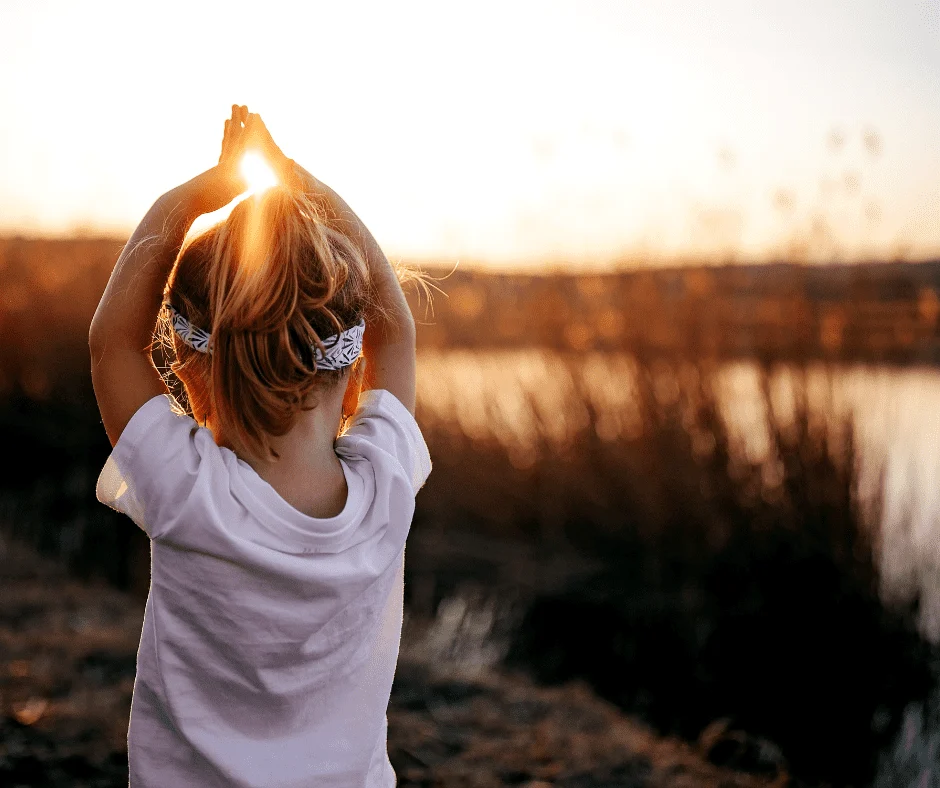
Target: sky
499, 132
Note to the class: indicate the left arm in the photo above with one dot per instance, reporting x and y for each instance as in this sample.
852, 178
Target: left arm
121, 333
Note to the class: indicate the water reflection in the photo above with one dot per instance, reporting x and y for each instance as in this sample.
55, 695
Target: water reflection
524, 398
530, 399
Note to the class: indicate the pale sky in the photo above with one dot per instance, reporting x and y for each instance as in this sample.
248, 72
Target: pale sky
499, 131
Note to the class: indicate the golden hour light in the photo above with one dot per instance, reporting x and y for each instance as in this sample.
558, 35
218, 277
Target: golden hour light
254, 168
571, 364
733, 145
259, 176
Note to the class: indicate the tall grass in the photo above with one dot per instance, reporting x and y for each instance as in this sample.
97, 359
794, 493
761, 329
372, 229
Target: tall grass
737, 594
47, 493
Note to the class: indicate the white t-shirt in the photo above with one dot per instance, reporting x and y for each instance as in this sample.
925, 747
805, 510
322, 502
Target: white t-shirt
270, 638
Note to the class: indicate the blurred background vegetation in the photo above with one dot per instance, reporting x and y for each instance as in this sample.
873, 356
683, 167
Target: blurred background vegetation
681, 393
680, 485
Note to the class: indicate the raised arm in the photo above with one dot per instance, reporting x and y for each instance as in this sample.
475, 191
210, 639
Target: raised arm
121, 332
389, 341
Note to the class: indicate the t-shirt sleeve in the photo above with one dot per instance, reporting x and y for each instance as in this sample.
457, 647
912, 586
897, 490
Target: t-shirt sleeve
155, 466
384, 423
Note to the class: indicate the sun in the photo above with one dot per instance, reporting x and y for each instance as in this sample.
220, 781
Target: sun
256, 171
259, 176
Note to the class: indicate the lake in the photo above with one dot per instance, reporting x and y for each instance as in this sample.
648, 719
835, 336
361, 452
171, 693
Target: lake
529, 399
520, 396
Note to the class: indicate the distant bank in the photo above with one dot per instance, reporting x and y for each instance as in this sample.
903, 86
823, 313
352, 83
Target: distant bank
874, 312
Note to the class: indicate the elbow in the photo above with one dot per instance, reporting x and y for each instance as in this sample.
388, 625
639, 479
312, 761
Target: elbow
407, 325
395, 323
405, 333
98, 336
95, 341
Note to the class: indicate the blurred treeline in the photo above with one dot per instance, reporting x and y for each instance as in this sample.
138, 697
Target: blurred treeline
876, 312
734, 600
886, 312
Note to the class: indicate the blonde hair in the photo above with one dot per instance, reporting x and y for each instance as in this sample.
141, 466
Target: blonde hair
269, 283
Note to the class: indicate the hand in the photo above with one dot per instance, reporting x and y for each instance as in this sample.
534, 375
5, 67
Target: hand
257, 137
233, 138
220, 185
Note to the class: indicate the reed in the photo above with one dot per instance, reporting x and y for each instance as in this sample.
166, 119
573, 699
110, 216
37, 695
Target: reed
738, 604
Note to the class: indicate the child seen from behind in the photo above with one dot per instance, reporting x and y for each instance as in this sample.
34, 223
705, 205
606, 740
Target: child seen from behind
279, 506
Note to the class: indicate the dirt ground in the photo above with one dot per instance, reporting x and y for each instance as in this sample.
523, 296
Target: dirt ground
67, 666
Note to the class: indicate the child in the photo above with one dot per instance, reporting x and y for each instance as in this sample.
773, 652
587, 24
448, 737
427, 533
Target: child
272, 627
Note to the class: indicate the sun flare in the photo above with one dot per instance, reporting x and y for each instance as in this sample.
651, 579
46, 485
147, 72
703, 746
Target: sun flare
256, 171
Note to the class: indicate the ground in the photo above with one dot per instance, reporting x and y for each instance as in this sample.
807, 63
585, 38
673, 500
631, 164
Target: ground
67, 663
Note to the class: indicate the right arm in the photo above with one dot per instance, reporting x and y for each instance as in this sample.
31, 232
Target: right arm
389, 340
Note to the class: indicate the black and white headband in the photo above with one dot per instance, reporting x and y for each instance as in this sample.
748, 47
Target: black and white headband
341, 349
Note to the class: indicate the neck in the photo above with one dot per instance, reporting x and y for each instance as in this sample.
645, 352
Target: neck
308, 443
306, 453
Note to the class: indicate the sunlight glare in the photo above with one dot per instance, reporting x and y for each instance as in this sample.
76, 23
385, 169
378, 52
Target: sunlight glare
255, 169
259, 176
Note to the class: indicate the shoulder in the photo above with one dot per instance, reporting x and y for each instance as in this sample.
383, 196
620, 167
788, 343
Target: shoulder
156, 464
383, 431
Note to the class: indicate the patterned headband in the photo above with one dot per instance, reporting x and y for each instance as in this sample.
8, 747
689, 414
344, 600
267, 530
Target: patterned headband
341, 349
